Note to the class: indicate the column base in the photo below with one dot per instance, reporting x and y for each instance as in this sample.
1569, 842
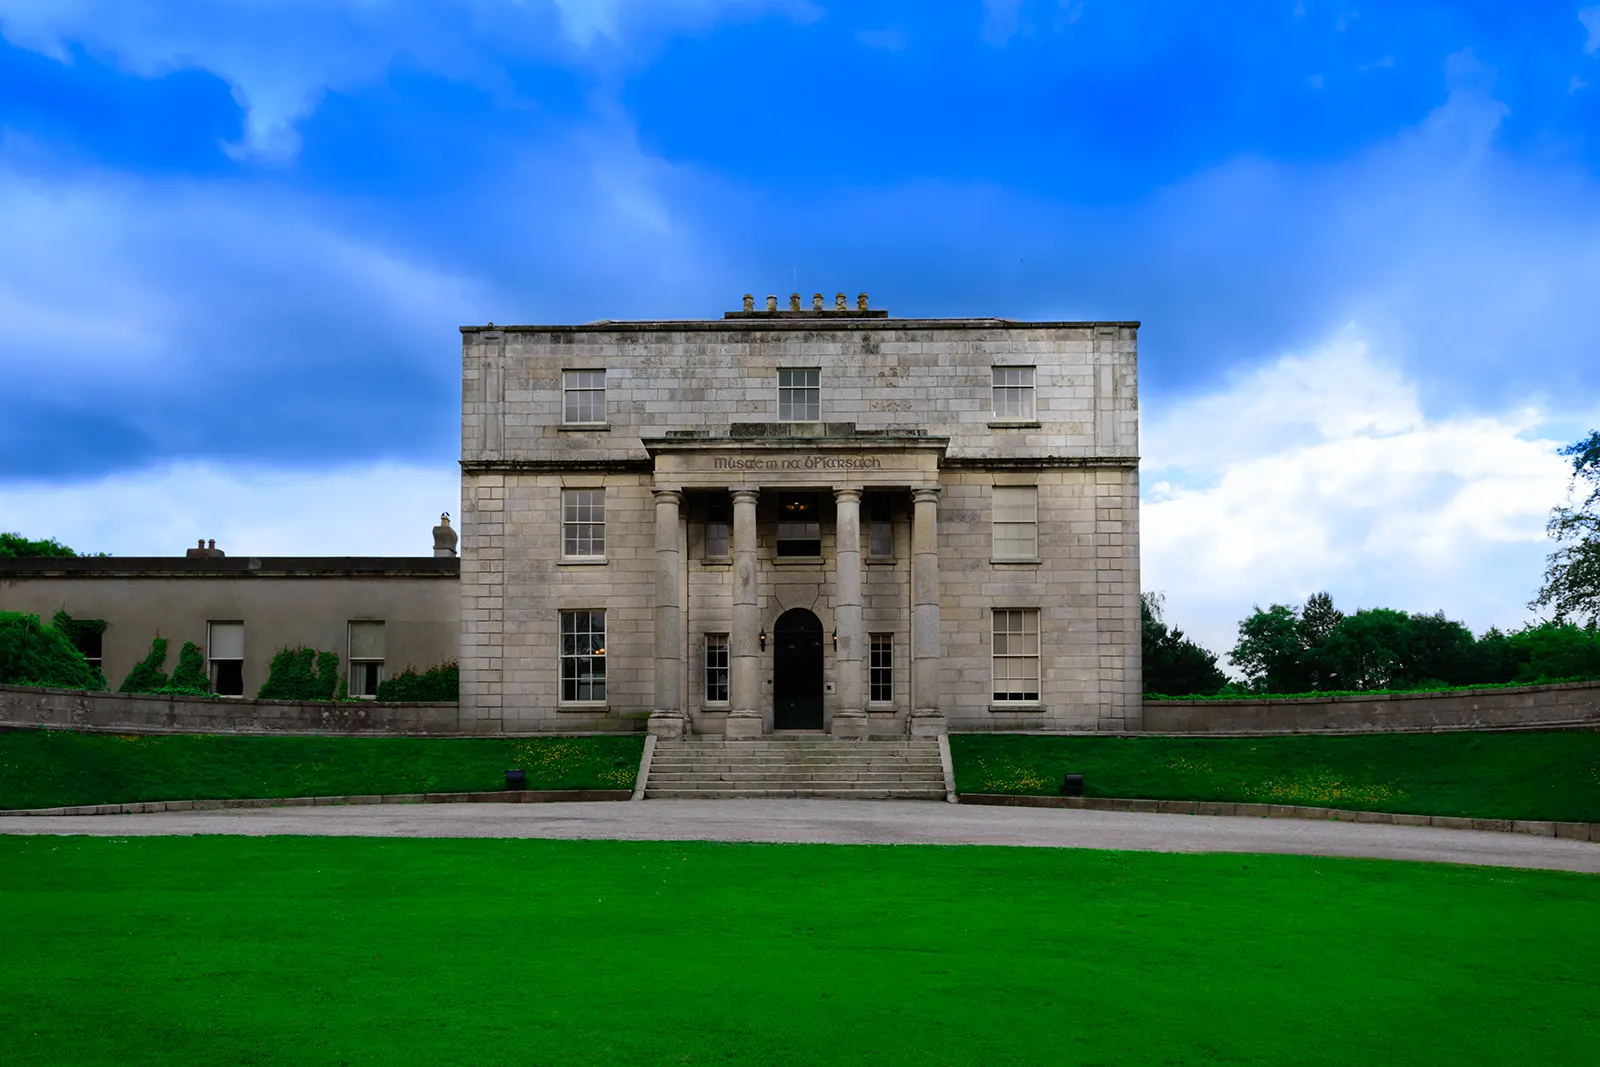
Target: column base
928, 722
668, 725
850, 725
743, 725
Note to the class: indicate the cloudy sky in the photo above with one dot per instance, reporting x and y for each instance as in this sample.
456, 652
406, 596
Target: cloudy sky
237, 237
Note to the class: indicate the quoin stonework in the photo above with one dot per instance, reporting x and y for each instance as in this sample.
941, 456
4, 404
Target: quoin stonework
826, 520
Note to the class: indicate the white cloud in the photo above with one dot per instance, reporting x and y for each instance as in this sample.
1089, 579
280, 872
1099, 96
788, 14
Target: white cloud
280, 57
1319, 471
1590, 17
382, 509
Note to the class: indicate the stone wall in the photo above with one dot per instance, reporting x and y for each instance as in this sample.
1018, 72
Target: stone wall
73, 709
1532, 705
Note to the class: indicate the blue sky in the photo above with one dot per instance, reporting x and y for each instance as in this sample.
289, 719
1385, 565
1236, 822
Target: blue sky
236, 240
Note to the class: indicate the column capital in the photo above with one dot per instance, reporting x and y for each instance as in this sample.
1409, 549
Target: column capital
748, 495
925, 494
847, 494
667, 496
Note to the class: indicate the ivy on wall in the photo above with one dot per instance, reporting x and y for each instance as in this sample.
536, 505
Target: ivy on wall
301, 674
442, 683
149, 674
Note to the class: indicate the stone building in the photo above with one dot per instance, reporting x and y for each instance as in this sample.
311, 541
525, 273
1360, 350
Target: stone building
822, 519
379, 614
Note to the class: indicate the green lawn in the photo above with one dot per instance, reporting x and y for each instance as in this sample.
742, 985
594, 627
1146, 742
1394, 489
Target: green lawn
40, 769
1551, 774
328, 951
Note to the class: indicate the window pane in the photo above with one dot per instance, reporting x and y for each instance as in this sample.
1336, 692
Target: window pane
583, 522
718, 530
799, 395
226, 640
799, 525
1013, 392
881, 669
1016, 530
585, 396
227, 677
1016, 654
583, 664
717, 668
366, 640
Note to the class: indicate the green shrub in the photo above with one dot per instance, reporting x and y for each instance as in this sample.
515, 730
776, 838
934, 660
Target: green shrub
34, 654
148, 675
14, 546
190, 677
301, 674
440, 683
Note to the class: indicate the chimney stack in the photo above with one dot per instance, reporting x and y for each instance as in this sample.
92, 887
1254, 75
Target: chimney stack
444, 538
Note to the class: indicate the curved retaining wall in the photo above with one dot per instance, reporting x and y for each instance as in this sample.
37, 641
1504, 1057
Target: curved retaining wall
74, 709
1523, 706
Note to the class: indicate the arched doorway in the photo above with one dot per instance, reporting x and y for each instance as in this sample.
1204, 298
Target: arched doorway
797, 671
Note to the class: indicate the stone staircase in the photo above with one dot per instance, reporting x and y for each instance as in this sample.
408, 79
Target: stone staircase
899, 769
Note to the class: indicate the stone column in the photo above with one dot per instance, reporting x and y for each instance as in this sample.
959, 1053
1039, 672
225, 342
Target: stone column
927, 719
744, 720
666, 717
850, 714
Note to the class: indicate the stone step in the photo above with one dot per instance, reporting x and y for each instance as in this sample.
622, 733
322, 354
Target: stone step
664, 762
666, 780
866, 793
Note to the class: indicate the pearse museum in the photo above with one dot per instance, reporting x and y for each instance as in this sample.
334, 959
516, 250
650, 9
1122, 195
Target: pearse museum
824, 520
800, 520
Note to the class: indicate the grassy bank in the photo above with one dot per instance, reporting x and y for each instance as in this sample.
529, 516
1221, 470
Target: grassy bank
1533, 775
212, 950
47, 768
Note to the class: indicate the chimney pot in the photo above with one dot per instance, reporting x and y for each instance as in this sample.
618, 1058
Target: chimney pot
861, 302
794, 301
816, 302
838, 302
212, 545
749, 302
772, 303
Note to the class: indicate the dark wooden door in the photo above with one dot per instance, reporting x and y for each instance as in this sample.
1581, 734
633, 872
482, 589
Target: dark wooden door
797, 671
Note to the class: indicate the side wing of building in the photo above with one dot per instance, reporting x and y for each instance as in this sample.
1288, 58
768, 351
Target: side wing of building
860, 525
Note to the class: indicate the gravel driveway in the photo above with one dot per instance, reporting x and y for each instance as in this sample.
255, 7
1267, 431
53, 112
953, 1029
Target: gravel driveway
850, 822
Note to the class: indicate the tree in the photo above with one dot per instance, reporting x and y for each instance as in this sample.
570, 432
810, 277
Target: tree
15, 546
1271, 650
1572, 575
35, 654
1173, 665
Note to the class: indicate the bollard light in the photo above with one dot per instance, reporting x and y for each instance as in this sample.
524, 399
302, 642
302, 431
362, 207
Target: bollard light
516, 780
1072, 785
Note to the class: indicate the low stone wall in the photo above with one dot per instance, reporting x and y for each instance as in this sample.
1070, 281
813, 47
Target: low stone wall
1523, 706
74, 709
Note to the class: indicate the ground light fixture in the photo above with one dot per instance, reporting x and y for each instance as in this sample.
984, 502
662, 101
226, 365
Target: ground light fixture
516, 780
1072, 785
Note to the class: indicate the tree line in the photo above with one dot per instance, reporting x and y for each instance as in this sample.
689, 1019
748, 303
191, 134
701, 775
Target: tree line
1316, 648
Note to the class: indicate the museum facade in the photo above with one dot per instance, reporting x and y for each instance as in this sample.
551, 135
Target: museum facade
800, 520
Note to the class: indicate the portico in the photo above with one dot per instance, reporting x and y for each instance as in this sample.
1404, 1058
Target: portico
842, 466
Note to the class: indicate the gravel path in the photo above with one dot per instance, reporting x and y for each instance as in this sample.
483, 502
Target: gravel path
850, 822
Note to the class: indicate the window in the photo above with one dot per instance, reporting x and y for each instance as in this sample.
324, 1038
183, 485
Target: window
87, 636
880, 534
716, 668
366, 655
1013, 393
225, 649
880, 670
1016, 654
799, 528
1016, 522
719, 524
799, 396
583, 523
583, 656
584, 396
